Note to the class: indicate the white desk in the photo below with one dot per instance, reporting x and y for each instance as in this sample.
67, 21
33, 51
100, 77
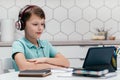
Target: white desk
54, 76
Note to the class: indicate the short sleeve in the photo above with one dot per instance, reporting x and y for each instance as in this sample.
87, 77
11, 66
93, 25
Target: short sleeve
17, 47
52, 50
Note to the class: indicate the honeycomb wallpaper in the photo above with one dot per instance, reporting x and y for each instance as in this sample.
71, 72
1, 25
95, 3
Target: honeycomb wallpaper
69, 20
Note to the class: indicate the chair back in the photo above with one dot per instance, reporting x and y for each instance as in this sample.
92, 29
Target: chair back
6, 65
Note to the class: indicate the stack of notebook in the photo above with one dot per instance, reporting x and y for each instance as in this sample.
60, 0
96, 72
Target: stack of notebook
90, 73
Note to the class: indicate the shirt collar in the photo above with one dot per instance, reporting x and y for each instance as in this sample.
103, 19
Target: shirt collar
29, 44
40, 43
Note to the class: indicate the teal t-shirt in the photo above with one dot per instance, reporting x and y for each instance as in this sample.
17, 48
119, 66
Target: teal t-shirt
30, 51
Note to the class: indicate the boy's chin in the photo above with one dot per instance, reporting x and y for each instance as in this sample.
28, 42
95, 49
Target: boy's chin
38, 37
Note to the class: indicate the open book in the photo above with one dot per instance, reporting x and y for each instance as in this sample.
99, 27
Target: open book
35, 73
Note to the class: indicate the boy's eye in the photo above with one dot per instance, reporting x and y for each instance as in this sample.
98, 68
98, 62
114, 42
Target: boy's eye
43, 24
35, 24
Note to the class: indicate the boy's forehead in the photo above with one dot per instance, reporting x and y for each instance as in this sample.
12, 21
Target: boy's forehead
36, 17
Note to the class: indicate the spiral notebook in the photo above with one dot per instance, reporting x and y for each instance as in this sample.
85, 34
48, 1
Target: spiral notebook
89, 73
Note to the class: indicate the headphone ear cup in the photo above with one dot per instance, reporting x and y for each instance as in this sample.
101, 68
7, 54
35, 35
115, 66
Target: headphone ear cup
22, 25
18, 24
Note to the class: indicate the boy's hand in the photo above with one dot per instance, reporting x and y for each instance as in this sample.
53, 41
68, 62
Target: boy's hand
38, 60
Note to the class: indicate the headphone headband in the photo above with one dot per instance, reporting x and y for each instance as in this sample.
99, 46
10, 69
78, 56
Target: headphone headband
24, 9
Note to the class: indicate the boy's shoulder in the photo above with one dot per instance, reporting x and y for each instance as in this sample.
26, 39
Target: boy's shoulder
19, 41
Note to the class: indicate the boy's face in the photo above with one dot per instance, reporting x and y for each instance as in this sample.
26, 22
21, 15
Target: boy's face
34, 27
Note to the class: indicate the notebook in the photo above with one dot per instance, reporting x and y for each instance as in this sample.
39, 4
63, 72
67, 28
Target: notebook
89, 73
35, 73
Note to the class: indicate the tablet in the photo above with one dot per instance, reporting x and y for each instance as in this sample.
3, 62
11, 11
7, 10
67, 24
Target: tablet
100, 58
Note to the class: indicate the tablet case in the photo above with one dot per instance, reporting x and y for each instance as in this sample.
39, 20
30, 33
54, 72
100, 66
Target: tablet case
100, 58
35, 73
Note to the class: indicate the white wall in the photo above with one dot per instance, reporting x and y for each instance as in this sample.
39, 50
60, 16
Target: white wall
69, 19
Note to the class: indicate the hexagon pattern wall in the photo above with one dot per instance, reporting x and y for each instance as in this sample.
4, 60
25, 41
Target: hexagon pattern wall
69, 19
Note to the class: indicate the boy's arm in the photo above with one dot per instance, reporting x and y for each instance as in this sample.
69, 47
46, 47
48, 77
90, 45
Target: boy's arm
23, 64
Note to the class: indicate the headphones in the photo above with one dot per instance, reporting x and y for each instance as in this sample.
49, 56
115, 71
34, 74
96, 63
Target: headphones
20, 25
